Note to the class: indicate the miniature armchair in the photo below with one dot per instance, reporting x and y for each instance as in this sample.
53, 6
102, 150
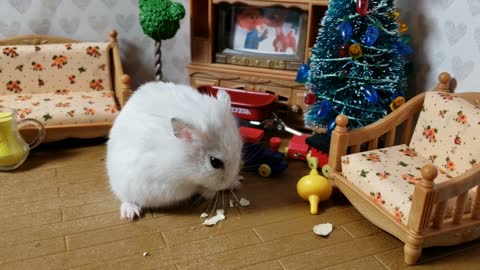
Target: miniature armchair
420, 186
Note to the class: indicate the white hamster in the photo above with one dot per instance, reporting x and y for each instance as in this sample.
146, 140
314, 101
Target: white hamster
170, 142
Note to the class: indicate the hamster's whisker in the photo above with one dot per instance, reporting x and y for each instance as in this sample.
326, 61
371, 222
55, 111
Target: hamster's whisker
223, 199
250, 168
234, 196
209, 203
251, 155
256, 151
214, 205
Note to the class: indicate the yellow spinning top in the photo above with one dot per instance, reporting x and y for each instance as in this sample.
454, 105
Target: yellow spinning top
314, 188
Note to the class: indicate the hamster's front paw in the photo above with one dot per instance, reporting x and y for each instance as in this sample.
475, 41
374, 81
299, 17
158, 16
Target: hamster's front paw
129, 211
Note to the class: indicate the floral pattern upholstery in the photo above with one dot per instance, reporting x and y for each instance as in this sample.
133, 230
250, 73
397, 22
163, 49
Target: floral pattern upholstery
64, 108
388, 176
58, 84
447, 135
448, 132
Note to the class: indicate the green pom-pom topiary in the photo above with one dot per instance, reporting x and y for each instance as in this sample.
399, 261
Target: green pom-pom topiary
160, 19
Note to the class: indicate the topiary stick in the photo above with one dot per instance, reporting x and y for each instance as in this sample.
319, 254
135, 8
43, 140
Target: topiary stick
160, 20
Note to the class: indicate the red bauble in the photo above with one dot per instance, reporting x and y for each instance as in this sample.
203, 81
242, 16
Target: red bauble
362, 7
310, 99
344, 51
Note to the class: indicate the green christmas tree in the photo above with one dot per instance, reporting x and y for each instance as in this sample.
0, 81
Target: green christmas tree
357, 66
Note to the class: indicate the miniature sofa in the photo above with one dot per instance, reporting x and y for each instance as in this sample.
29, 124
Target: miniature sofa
423, 189
75, 89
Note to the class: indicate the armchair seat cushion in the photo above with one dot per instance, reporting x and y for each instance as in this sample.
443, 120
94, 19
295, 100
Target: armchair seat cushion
64, 107
388, 176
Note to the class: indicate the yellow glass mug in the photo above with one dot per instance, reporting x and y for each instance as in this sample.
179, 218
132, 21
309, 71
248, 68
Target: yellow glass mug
13, 149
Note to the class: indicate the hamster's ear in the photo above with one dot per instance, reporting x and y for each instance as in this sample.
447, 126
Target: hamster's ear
181, 129
223, 97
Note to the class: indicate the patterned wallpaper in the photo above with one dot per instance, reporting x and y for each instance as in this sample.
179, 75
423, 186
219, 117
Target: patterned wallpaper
446, 35
92, 20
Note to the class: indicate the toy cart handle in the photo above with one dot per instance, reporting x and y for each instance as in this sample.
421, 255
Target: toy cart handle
293, 131
285, 127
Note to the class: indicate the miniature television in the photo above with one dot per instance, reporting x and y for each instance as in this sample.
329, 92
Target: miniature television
269, 37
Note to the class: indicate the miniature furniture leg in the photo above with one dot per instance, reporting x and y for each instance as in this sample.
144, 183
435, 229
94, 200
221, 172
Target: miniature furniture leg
412, 250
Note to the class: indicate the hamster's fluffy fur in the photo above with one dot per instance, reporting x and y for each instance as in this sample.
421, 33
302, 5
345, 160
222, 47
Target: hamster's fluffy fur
150, 165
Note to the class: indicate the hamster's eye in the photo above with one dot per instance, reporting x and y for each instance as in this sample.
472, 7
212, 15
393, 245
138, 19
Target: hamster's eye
216, 163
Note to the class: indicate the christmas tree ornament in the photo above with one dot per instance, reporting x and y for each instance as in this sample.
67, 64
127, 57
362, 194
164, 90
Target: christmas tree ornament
395, 14
362, 7
371, 35
344, 50
403, 28
324, 109
370, 94
345, 29
405, 39
331, 126
302, 73
397, 102
310, 99
403, 49
355, 51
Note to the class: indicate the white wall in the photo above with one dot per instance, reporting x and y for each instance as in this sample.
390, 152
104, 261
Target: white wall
446, 35
92, 20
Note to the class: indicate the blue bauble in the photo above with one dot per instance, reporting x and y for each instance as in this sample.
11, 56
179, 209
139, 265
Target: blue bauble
324, 108
345, 29
403, 49
371, 36
331, 127
370, 94
302, 73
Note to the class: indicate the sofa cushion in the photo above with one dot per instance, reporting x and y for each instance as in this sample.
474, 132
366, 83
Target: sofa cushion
28, 69
388, 176
448, 132
64, 107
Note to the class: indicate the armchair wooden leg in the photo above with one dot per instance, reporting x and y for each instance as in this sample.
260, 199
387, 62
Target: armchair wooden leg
412, 250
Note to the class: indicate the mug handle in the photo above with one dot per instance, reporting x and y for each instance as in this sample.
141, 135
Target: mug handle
41, 131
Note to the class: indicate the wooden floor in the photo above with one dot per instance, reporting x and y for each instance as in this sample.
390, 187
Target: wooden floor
58, 213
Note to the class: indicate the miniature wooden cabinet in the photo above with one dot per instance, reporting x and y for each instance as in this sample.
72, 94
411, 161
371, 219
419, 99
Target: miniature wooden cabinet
244, 72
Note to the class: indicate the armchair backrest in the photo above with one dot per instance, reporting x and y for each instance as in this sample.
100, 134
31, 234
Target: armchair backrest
448, 133
55, 68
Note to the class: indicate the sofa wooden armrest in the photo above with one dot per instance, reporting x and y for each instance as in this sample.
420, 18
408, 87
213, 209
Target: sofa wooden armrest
122, 81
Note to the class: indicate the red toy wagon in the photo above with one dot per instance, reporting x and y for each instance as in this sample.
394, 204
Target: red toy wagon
247, 105
256, 108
